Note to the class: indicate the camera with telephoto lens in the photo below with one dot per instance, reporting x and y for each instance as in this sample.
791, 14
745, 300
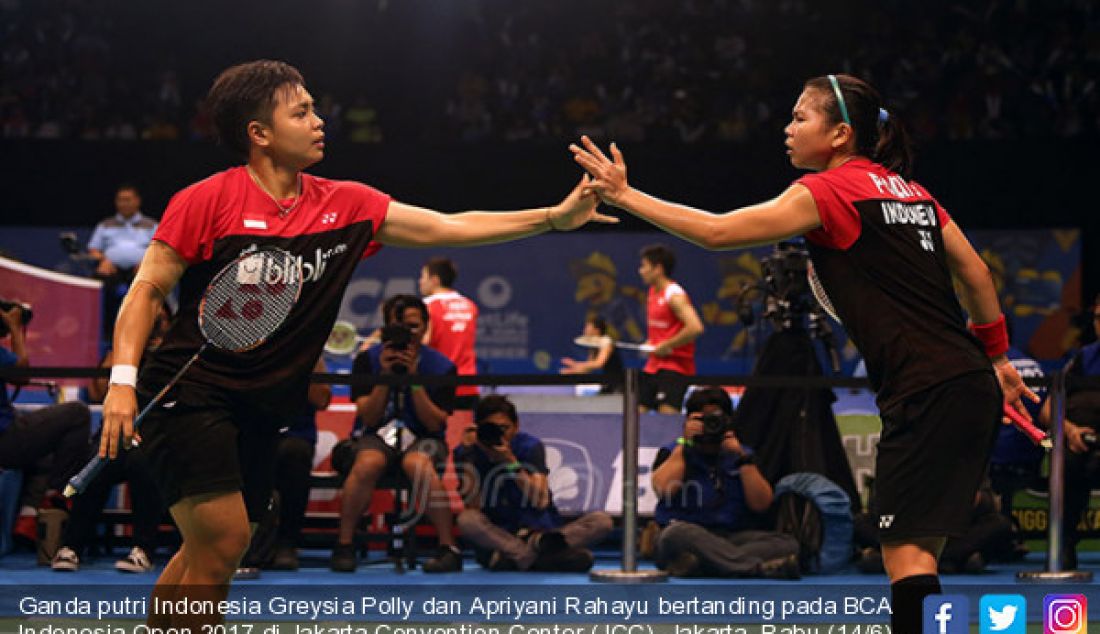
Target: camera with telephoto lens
397, 337
715, 426
489, 434
25, 315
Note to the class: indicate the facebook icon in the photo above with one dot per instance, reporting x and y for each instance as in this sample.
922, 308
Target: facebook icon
946, 614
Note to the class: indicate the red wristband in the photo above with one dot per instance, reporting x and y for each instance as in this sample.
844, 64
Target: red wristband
994, 336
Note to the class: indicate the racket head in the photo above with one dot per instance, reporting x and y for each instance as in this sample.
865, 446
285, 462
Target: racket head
819, 292
249, 299
343, 340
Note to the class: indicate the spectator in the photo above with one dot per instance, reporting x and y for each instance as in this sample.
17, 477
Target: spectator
510, 514
398, 428
117, 245
708, 486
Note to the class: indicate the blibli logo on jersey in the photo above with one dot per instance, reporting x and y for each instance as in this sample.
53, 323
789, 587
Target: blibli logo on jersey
311, 270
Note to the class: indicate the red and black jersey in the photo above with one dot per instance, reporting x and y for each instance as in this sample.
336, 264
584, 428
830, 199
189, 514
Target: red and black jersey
663, 324
213, 222
880, 257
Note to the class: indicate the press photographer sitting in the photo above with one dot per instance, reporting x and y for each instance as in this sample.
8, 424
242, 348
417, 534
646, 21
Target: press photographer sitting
398, 427
708, 486
510, 514
26, 438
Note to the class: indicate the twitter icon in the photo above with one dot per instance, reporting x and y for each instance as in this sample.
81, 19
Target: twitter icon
1002, 614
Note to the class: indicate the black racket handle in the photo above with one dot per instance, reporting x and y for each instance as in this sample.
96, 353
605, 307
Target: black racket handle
80, 481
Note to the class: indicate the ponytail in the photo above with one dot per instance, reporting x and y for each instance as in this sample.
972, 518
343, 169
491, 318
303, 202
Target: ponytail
894, 150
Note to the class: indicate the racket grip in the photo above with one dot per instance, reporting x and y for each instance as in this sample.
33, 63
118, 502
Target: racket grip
80, 481
1034, 434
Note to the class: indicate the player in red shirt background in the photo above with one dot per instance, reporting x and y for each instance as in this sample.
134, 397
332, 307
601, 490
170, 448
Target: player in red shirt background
452, 328
672, 328
885, 252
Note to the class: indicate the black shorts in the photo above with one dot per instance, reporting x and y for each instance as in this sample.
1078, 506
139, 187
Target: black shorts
343, 455
932, 456
202, 440
663, 388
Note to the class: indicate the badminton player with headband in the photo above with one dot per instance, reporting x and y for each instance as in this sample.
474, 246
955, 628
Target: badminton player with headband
211, 440
885, 252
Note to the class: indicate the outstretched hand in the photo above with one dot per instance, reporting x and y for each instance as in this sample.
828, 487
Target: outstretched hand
578, 209
608, 175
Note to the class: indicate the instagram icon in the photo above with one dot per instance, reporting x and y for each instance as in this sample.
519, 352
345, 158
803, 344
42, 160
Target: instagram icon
1065, 614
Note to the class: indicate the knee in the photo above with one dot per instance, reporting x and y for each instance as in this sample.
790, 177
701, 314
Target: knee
676, 533
418, 466
468, 519
367, 468
603, 522
217, 559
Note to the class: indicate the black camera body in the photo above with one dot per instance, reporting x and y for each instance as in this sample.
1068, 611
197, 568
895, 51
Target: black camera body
25, 315
397, 337
715, 426
489, 434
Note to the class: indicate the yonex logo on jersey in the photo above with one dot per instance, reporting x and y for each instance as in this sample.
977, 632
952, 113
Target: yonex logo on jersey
885, 521
328, 218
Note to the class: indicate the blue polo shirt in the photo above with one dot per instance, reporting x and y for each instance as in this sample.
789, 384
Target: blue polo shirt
712, 495
123, 240
502, 501
431, 363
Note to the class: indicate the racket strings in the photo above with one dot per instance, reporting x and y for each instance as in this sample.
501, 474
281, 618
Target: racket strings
248, 301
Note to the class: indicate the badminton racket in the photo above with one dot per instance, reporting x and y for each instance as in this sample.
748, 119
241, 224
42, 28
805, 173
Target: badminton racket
588, 341
245, 303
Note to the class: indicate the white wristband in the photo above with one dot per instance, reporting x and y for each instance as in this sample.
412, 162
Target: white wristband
124, 375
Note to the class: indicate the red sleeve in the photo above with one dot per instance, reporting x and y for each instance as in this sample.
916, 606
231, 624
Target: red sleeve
840, 223
372, 205
188, 222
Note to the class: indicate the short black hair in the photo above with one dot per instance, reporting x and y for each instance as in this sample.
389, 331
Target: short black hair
495, 404
710, 395
444, 269
660, 254
128, 187
599, 323
394, 307
247, 92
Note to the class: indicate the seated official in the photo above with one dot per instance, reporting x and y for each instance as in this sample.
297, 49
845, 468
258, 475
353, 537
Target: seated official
708, 485
1081, 427
510, 514
399, 428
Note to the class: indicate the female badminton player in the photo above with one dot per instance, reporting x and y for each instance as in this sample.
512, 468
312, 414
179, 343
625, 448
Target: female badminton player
211, 441
885, 252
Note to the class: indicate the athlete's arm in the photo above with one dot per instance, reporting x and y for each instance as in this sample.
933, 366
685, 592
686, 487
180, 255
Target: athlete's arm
979, 297
160, 270
693, 326
792, 213
410, 226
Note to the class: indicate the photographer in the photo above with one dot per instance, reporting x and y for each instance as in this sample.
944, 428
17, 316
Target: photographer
61, 430
395, 427
1082, 421
708, 485
510, 514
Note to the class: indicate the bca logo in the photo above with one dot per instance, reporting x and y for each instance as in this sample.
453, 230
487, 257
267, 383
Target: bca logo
328, 218
885, 521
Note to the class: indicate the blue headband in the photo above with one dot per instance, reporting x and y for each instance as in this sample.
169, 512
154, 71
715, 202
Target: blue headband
840, 99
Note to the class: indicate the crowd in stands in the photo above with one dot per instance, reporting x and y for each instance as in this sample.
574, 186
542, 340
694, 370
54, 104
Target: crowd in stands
645, 70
